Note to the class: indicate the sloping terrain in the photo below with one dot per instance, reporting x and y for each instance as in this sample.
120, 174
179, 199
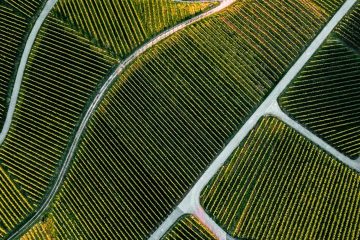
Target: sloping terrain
16, 19
55, 88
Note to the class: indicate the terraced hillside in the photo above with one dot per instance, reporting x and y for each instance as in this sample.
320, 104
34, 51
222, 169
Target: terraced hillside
122, 26
325, 97
188, 227
171, 112
278, 185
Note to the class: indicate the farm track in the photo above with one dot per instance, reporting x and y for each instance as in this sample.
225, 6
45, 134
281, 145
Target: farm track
276, 111
20, 73
191, 203
62, 172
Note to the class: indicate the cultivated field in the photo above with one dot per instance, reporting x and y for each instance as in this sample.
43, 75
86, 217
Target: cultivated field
171, 112
43, 230
188, 227
278, 185
13, 29
325, 97
63, 70
328, 6
28, 8
122, 26
349, 28
16, 19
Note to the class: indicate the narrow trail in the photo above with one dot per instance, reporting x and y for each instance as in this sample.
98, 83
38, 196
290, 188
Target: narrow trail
20, 72
191, 203
276, 111
63, 169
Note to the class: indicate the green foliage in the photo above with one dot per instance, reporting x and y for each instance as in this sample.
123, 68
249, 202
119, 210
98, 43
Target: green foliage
188, 227
171, 112
122, 26
297, 191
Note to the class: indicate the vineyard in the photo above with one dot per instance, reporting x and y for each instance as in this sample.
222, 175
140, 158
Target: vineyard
325, 97
171, 112
328, 6
13, 29
278, 185
64, 70
57, 83
122, 26
188, 227
16, 19
42, 230
349, 29
29, 8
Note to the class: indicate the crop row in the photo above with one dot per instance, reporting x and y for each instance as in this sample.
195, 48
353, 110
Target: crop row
14, 27
13, 30
13, 205
190, 228
325, 97
349, 28
42, 230
171, 112
278, 185
122, 26
328, 6
63, 70
28, 8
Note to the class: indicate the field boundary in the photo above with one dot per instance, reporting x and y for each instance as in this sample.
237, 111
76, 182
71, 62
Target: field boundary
191, 203
21, 69
93, 106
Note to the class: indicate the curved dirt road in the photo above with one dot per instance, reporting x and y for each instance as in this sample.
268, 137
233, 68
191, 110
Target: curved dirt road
59, 179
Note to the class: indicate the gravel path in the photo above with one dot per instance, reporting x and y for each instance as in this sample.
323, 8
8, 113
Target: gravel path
62, 171
191, 203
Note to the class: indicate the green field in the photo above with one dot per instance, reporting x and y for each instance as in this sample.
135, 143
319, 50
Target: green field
171, 112
28, 8
278, 185
325, 97
65, 68
16, 19
349, 29
44, 230
188, 227
57, 83
122, 26
13, 30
